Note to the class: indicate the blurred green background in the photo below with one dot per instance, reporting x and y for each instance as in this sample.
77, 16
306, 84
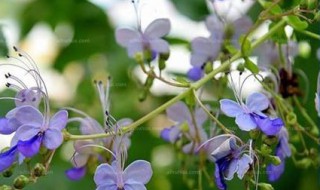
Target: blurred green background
84, 49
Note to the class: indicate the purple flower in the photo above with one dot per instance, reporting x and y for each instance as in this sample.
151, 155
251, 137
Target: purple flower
38, 130
7, 158
150, 40
195, 73
9, 123
76, 173
229, 159
249, 116
282, 151
112, 177
185, 125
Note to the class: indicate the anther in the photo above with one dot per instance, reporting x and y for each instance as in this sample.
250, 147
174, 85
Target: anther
20, 55
7, 56
15, 48
107, 113
8, 85
34, 99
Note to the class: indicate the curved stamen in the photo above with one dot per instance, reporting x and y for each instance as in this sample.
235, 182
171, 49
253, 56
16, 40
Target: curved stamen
9, 76
13, 87
10, 98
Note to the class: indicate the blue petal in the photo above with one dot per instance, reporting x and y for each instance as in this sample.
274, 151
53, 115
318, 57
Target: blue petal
30, 147
230, 108
7, 158
195, 73
76, 173
218, 176
274, 172
269, 126
165, 134
257, 102
246, 122
5, 127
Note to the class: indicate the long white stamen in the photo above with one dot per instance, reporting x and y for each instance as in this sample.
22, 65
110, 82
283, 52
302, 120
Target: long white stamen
213, 138
136, 9
235, 92
16, 79
10, 98
76, 111
98, 146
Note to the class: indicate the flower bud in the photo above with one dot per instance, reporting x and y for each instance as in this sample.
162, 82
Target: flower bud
7, 173
265, 186
275, 160
254, 134
143, 95
164, 56
5, 187
291, 118
161, 64
304, 163
270, 140
20, 182
39, 170
265, 149
139, 58
208, 67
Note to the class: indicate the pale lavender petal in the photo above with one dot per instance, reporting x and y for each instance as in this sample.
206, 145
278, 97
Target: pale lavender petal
165, 133
242, 25
230, 108
318, 54
125, 35
222, 149
203, 46
7, 158
174, 134
198, 59
213, 24
90, 126
179, 112
134, 47
244, 165
257, 102
188, 148
201, 116
124, 122
139, 171
134, 186
283, 141
245, 122
30, 147
31, 97
159, 46
76, 173
84, 146
105, 175
79, 160
59, 120
52, 138
107, 187
158, 28
212, 144
26, 115
5, 128
231, 170
24, 133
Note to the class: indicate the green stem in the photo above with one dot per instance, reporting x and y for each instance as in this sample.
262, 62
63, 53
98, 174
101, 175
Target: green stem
192, 87
304, 112
311, 34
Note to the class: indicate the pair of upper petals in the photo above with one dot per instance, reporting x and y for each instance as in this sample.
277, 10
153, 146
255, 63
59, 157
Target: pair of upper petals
32, 124
255, 104
135, 176
135, 41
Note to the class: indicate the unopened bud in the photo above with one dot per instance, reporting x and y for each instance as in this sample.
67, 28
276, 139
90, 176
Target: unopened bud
265, 149
39, 170
7, 173
269, 140
139, 58
161, 64
143, 95
20, 182
254, 134
164, 56
265, 186
208, 67
304, 163
275, 160
291, 118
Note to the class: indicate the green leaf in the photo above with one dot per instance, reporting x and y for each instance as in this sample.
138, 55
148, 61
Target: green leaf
245, 46
251, 66
194, 9
181, 80
275, 9
296, 22
279, 36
